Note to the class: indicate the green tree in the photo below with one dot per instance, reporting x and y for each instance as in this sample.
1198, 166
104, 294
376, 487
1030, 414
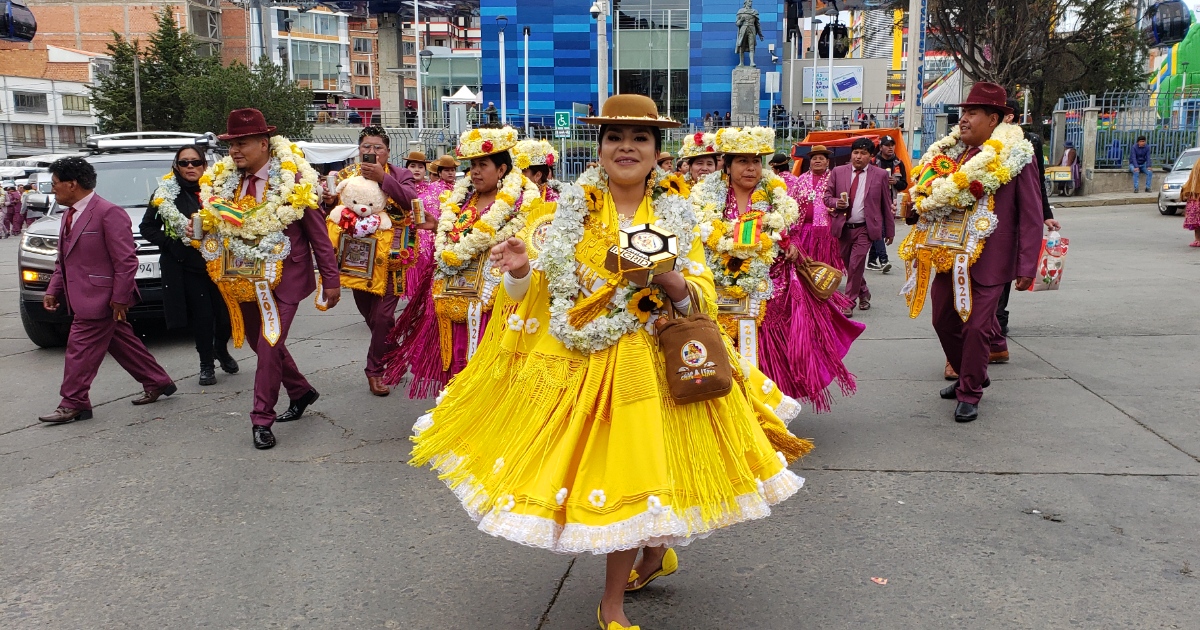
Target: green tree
169, 58
211, 96
1047, 46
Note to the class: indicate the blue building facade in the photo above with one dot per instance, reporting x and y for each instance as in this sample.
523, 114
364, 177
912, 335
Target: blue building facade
676, 51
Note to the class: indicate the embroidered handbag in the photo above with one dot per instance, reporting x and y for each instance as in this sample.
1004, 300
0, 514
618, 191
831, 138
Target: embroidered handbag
697, 364
820, 279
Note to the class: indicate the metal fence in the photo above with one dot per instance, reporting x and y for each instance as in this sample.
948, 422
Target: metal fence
1169, 120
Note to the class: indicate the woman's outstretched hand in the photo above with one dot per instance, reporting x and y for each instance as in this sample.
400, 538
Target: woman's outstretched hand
511, 257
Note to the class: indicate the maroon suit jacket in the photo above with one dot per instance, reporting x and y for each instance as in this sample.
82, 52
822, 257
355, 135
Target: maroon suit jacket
877, 207
97, 262
310, 239
1013, 250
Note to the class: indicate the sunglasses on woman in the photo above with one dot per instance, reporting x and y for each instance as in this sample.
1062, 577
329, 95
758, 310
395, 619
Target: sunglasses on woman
187, 163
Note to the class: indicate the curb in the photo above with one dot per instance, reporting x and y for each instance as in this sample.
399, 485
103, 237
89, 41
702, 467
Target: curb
1084, 202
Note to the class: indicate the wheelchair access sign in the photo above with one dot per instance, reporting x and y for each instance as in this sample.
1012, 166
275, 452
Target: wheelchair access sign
562, 124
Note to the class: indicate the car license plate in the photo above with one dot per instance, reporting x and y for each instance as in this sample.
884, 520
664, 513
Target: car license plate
147, 269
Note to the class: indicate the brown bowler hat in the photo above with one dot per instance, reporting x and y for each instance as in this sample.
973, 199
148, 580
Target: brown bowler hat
819, 149
630, 109
246, 122
416, 156
984, 94
444, 161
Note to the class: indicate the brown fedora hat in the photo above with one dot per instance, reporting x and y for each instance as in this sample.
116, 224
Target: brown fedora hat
416, 156
984, 94
444, 161
246, 122
630, 109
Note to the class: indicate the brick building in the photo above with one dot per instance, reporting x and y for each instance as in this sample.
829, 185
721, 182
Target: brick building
88, 25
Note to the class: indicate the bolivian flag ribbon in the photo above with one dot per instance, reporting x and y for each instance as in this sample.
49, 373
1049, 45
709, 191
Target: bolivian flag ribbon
749, 229
227, 211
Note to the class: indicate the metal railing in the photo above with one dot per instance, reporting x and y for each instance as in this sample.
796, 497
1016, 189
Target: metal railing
1168, 119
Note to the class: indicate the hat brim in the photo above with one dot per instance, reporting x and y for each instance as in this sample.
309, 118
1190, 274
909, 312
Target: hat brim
635, 121
473, 156
1004, 108
234, 136
758, 153
827, 153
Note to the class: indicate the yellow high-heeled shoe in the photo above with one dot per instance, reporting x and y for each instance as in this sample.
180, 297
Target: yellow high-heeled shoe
612, 625
670, 564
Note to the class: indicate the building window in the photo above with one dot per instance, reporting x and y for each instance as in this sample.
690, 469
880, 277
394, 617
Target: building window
363, 45
363, 91
29, 135
439, 42
409, 49
315, 63
362, 68
29, 103
76, 104
73, 136
410, 93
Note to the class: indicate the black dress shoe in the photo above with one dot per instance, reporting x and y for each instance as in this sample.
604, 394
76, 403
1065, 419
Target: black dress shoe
947, 392
208, 375
296, 409
263, 438
966, 412
228, 365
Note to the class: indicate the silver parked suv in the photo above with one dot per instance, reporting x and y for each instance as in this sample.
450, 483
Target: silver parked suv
128, 168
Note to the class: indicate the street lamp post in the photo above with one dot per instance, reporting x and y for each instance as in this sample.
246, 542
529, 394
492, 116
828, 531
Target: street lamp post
417, 67
599, 11
502, 21
526, 80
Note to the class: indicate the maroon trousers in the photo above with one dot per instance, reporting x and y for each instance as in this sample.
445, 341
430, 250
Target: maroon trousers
379, 311
275, 363
87, 342
967, 344
855, 247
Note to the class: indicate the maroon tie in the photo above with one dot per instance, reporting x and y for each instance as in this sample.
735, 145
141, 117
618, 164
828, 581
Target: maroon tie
70, 218
252, 187
854, 188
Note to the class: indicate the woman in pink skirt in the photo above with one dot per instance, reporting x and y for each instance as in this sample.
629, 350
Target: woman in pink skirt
1191, 194
812, 233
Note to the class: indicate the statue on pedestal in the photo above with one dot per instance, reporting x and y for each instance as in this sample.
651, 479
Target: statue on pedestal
748, 28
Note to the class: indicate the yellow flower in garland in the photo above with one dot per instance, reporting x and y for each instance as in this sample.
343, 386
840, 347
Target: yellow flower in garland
218, 168
643, 303
995, 144
450, 258
288, 166
205, 180
735, 266
1003, 174
474, 135
158, 201
758, 197
522, 161
718, 232
594, 197
960, 179
304, 195
674, 183
505, 197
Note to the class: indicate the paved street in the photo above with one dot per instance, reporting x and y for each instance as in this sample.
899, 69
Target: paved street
1074, 502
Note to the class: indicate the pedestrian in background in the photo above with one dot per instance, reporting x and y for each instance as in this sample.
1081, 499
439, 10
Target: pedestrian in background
189, 295
861, 196
1191, 194
11, 221
886, 159
1139, 162
94, 277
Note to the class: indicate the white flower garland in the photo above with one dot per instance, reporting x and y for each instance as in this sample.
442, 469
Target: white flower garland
174, 223
673, 212
261, 232
1000, 159
779, 212
501, 221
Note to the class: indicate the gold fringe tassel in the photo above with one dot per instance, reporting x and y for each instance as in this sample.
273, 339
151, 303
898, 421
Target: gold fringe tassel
236, 323
592, 306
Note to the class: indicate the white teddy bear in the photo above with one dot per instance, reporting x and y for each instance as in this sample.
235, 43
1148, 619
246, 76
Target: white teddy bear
363, 207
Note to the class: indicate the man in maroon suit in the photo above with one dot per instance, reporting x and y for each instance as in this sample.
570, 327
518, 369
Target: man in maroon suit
1011, 252
859, 196
249, 136
94, 277
399, 185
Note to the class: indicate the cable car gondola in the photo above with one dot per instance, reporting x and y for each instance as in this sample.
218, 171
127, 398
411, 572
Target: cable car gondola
17, 23
1166, 23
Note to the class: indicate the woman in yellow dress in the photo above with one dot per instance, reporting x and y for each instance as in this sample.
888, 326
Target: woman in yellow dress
581, 448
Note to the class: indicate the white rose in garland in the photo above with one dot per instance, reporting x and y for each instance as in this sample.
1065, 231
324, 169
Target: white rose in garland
261, 227
743, 267
174, 222
501, 221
